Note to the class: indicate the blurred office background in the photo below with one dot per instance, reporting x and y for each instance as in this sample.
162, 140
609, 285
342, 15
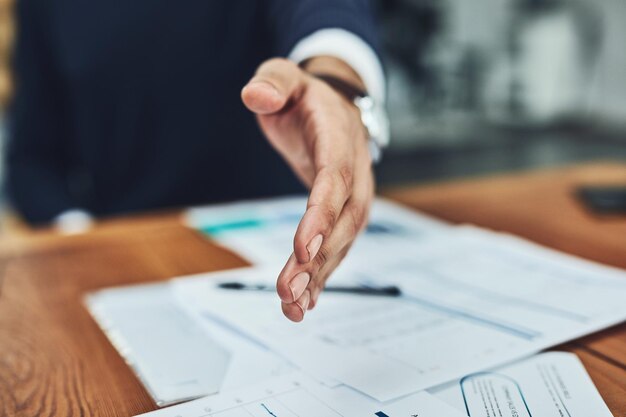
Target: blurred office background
486, 86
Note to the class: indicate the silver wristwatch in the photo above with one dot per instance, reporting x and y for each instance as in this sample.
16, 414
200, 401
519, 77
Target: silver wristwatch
373, 115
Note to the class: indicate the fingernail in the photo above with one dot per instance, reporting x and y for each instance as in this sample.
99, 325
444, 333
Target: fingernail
314, 246
298, 284
303, 303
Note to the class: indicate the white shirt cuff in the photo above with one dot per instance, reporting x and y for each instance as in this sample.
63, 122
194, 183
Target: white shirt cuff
73, 221
351, 49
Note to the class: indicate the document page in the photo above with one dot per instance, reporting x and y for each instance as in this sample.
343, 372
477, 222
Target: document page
173, 356
383, 347
296, 395
529, 291
262, 231
552, 384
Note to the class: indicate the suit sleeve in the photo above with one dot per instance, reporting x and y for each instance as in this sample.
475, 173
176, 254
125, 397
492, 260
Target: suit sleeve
292, 20
36, 164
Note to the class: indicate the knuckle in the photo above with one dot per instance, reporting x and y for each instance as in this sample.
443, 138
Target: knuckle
330, 214
338, 178
346, 176
325, 216
357, 216
284, 293
322, 257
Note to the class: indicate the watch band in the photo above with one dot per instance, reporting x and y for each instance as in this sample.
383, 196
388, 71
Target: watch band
348, 90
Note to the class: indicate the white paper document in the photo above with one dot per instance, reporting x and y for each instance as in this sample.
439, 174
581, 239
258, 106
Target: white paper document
552, 384
529, 291
473, 300
174, 357
296, 395
262, 231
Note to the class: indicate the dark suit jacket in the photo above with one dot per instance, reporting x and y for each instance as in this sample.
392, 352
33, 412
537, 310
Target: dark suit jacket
132, 105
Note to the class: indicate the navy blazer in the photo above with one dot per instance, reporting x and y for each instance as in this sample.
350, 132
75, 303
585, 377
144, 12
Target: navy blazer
131, 105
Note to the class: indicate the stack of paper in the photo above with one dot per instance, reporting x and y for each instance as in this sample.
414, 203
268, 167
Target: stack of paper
552, 384
472, 300
297, 395
263, 232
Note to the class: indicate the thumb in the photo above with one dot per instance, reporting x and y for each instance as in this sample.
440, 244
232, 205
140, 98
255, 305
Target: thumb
274, 84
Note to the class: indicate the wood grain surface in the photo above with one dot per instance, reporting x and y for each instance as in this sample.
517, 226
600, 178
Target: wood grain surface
54, 361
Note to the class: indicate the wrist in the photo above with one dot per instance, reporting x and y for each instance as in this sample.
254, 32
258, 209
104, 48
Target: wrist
372, 115
334, 67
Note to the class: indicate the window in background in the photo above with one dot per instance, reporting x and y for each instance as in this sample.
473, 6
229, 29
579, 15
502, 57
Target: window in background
460, 69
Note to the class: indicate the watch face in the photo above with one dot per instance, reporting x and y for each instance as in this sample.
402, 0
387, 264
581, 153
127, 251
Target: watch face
375, 151
371, 122
375, 120
383, 126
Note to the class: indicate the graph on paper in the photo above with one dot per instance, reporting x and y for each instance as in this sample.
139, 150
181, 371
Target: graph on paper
278, 397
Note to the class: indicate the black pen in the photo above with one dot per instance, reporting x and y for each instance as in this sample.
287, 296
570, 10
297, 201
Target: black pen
390, 291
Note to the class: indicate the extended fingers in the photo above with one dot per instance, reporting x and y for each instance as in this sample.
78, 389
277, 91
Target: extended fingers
337, 223
351, 222
297, 278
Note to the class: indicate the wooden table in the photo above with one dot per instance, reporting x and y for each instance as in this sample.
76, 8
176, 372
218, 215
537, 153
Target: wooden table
54, 360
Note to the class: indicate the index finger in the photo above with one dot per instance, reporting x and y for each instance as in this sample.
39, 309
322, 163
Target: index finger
331, 189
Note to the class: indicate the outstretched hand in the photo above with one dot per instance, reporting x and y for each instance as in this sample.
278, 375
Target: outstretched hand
320, 135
